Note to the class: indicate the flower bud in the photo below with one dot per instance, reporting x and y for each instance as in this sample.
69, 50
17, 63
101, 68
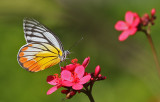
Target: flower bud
153, 11
65, 91
92, 74
85, 73
50, 78
99, 75
74, 61
145, 19
70, 94
92, 78
97, 71
146, 16
103, 77
85, 62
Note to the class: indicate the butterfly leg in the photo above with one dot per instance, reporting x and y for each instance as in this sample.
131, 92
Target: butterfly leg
60, 65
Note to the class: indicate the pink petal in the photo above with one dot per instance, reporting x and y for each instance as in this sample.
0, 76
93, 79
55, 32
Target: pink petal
136, 22
85, 79
124, 35
53, 82
77, 86
121, 25
129, 17
53, 89
66, 75
132, 31
67, 83
79, 71
70, 67
86, 61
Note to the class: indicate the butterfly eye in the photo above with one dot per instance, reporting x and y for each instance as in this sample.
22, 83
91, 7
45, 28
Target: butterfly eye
68, 52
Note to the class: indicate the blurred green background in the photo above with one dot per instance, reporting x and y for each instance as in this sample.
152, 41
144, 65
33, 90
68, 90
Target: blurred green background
129, 65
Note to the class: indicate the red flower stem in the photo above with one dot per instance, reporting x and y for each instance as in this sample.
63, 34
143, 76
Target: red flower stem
88, 93
147, 32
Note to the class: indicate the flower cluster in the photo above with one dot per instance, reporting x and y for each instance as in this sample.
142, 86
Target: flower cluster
73, 77
133, 23
145, 20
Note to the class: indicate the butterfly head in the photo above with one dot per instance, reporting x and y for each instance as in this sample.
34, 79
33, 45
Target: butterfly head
65, 54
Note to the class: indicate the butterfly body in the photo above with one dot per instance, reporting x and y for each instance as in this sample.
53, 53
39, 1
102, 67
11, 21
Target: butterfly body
43, 48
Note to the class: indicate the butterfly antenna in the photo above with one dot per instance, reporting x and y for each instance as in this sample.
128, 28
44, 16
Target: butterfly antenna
60, 65
76, 43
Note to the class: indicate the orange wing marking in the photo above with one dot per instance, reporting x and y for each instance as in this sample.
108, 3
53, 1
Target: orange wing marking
23, 59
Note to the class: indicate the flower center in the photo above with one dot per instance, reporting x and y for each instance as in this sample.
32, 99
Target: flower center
75, 78
57, 79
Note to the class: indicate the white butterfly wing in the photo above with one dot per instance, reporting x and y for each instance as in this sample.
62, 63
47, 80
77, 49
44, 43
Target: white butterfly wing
38, 33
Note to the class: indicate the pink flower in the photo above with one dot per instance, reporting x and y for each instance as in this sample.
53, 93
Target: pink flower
129, 26
54, 80
75, 79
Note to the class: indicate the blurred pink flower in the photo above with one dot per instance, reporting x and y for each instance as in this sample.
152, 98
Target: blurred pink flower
75, 79
129, 26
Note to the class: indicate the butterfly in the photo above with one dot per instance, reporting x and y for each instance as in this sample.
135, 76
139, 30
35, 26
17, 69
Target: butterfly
43, 48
